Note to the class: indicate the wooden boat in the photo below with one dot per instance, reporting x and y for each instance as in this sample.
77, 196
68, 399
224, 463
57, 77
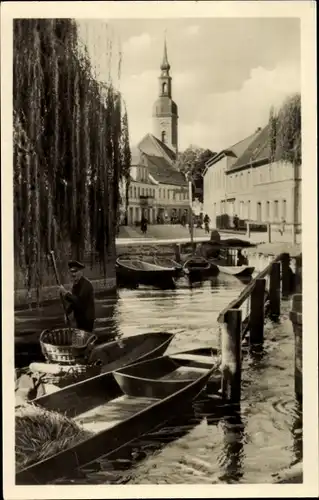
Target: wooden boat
115, 418
159, 377
198, 267
109, 356
137, 271
167, 262
238, 271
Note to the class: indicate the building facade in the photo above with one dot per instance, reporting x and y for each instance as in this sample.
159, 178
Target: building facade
252, 187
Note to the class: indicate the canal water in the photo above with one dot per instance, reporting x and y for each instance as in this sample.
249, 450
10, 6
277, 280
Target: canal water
207, 444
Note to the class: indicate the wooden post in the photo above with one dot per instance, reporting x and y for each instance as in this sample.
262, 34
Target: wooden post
191, 222
231, 356
178, 252
274, 290
285, 275
296, 319
257, 312
269, 232
298, 275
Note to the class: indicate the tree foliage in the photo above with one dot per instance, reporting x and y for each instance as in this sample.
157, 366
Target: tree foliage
68, 138
285, 131
192, 164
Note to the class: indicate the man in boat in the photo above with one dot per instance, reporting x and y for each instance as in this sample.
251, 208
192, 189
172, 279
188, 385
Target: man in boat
81, 300
241, 259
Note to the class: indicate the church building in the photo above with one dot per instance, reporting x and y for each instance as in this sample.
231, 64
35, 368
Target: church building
157, 189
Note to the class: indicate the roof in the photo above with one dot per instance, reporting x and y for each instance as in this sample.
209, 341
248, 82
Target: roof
163, 172
150, 145
235, 151
256, 151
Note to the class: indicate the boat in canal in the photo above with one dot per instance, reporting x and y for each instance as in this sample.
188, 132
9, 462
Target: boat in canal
238, 271
112, 416
197, 267
103, 358
158, 377
136, 271
167, 262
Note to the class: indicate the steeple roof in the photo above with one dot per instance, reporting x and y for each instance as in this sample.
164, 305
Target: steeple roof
165, 66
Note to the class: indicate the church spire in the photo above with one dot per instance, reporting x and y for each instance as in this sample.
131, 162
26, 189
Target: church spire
165, 64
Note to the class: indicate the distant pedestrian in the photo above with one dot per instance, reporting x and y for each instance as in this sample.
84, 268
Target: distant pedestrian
282, 226
241, 259
80, 300
236, 222
206, 222
144, 225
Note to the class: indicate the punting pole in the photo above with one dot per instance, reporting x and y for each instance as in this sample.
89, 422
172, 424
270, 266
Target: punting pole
66, 317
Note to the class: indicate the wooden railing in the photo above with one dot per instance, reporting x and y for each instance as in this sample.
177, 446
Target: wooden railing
234, 328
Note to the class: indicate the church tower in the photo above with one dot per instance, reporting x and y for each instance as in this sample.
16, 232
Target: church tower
165, 112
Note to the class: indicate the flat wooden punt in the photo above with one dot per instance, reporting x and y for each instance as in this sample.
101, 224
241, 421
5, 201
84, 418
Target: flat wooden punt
159, 377
198, 267
110, 355
240, 271
115, 419
118, 353
137, 271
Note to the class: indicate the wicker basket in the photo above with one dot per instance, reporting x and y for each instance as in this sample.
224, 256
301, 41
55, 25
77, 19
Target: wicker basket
67, 346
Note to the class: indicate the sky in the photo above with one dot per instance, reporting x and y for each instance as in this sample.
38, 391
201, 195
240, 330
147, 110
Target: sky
226, 72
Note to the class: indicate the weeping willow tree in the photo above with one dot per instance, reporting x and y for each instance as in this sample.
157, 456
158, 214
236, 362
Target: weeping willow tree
68, 148
126, 159
285, 131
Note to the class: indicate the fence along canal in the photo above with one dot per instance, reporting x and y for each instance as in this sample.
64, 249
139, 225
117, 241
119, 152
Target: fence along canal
261, 298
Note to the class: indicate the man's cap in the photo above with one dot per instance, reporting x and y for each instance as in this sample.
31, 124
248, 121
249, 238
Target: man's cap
75, 264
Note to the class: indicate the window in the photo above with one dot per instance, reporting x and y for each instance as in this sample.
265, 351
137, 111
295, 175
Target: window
163, 136
164, 87
241, 180
159, 192
138, 192
268, 210
134, 192
276, 209
130, 192
248, 209
284, 209
142, 191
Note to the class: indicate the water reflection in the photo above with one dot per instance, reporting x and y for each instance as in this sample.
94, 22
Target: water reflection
208, 443
232, 453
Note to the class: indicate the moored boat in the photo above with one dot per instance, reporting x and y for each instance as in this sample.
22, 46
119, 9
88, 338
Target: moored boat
167, 263
159, 377
198, 267
113, 418
103, 358
137, 271
238, 271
